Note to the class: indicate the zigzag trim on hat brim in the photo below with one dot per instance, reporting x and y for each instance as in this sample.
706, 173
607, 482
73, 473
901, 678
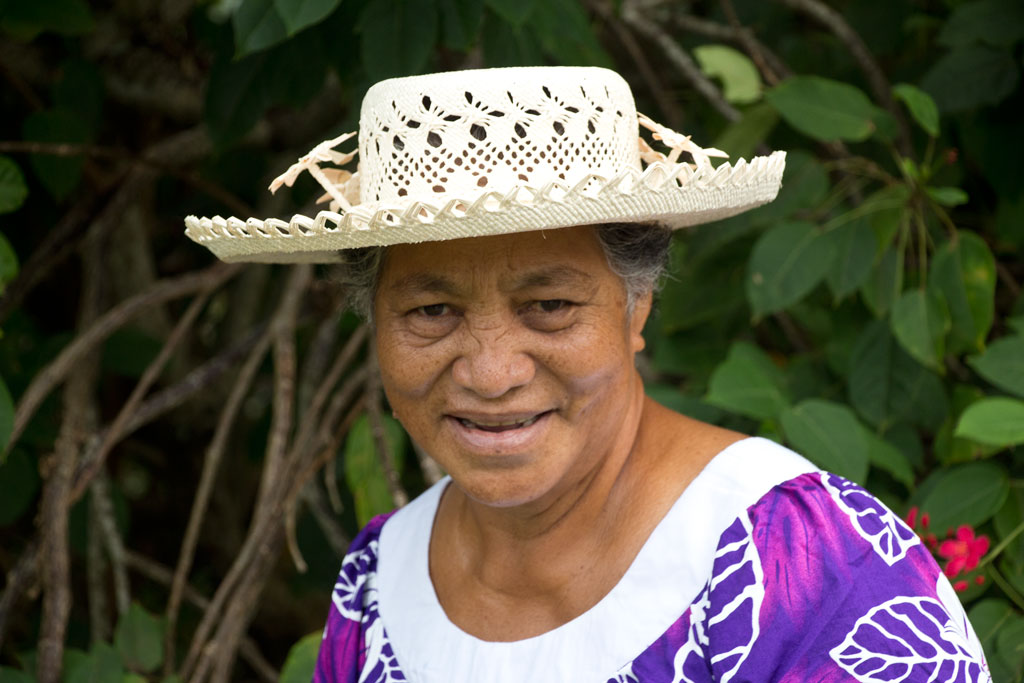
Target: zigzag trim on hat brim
672, 194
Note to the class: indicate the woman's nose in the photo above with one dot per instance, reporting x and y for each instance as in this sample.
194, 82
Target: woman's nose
492, 364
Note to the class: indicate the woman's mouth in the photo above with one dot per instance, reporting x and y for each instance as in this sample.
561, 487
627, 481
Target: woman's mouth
498, 425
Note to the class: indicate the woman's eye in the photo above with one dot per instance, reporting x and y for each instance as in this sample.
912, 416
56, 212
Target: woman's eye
552, 305
433, 310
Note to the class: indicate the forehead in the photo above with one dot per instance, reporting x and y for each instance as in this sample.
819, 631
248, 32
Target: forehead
562, 257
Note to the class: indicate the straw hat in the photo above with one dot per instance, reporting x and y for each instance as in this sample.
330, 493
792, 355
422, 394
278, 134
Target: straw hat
493, 151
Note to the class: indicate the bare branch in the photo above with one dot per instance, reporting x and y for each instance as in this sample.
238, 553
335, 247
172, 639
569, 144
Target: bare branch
380, 437
712, 29
104, 508
164, 290
94, 461
681, 60
198, 379
79, 416
19, 579
746, 38
211, 465
283, 411
673, 114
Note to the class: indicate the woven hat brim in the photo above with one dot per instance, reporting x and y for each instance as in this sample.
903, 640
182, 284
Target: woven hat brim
672, 194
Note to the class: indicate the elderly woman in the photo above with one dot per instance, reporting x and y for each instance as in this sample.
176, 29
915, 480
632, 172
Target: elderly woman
504, 233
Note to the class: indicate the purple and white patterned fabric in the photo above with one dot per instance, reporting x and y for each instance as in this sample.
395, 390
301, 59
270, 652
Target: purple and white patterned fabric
814, 580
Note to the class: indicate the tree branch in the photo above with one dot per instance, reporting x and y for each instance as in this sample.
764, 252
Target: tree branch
164, 290
211, 465
682, 61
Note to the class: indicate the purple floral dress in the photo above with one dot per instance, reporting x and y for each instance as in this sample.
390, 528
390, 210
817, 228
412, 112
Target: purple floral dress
815, 580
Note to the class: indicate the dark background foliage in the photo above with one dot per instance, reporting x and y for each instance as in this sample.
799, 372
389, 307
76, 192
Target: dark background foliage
189, 446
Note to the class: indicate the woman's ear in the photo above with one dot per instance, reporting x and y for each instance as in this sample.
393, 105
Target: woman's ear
638, 318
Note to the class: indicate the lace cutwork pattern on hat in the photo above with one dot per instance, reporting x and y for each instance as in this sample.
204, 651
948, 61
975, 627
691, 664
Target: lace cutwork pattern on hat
432, 143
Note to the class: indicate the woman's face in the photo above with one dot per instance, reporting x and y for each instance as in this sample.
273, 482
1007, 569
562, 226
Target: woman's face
509, 359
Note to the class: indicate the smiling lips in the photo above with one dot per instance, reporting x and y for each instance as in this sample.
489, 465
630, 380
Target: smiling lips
498, 425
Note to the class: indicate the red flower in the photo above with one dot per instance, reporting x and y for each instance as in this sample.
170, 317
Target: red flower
960, 586
964, 551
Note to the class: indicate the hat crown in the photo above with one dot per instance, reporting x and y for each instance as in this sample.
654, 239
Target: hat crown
457, 135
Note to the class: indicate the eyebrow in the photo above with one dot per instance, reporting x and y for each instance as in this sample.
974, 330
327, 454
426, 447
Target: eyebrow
542, 277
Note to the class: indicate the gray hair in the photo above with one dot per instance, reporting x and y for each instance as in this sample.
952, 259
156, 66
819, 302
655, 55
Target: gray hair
636, 252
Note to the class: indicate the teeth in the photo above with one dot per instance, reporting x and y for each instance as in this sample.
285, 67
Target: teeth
497, 423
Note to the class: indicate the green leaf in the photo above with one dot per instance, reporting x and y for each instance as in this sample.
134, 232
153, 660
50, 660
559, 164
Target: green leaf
989, 617
129, 351
921, 105
1006, 521
298, 14
8, 262
564, 31
996, 421
460, 21
58, 175
884, 282
363, 472
240, 90
948, 196
888, 387
671, 397
854, 257
685, 307
786, 263
996, 22
887, 457
28, 19
829, 435
966, 494
1002, 364
964, 270
949, 448
748, 383
300, 664
19, 483
101, 665
920, 321
81, 90
1010, 647
971, 77
805, 184
741, 82
507, 45
8, 675
139, 638
12, 186
257, 26
887, 128
741, 138
823, 109
398, 37
514, 12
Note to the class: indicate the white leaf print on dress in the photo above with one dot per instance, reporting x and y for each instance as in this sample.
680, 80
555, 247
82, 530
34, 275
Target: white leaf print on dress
691, 654
350, 582
381, 664
730, 606
913, 639
876, 524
